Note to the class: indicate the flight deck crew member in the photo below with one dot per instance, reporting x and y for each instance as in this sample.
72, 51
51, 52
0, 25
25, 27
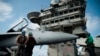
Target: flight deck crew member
30, 42
90, 45
20, 43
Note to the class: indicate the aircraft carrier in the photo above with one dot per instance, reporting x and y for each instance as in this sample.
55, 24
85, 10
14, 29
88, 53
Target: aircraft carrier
66, 16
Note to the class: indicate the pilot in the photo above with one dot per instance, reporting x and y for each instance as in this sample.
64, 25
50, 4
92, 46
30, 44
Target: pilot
20, 43
30, 42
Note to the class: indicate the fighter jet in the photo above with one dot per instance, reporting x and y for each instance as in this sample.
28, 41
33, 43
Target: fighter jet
41, 37
8, 39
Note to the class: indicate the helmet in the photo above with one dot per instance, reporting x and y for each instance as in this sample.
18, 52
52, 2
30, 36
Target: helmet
30, 34
23, 33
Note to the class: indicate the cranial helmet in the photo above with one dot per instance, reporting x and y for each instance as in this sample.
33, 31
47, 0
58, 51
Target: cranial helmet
23, 33
30, 34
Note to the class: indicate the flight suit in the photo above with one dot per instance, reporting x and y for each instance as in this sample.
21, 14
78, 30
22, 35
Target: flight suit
29, 46
21, 47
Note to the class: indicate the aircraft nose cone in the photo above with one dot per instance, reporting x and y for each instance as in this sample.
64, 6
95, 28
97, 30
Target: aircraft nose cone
71, 36
74, 36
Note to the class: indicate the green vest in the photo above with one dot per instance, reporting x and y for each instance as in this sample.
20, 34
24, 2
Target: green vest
89, 40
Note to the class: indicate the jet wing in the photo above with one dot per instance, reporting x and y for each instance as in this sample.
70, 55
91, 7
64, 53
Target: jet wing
8, 39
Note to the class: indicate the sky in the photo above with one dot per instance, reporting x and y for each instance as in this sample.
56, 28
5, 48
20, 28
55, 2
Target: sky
12, 11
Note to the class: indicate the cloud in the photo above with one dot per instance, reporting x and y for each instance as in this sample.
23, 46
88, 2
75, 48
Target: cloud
93, 24
5, 11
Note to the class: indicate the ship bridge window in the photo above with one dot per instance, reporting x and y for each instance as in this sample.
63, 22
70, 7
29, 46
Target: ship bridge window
61, 19
77, 16
56, 21
60, 13
47, 16
66, 18
44, 17
75, 9
72, 17
52, 15
81, 2
56, 14
82, 11
65, 11
70, 10
77, 4
47, 23
52, 21
71, 5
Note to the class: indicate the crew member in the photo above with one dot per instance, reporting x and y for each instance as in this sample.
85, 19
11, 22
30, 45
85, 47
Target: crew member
20, 43
90, 45
30, 42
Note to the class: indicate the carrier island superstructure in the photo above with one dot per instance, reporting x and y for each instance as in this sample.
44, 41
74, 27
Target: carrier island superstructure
63, 15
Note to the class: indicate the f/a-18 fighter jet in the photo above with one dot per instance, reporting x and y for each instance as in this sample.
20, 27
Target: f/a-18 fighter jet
8, 39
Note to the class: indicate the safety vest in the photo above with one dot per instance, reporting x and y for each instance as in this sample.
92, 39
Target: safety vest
89, 40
